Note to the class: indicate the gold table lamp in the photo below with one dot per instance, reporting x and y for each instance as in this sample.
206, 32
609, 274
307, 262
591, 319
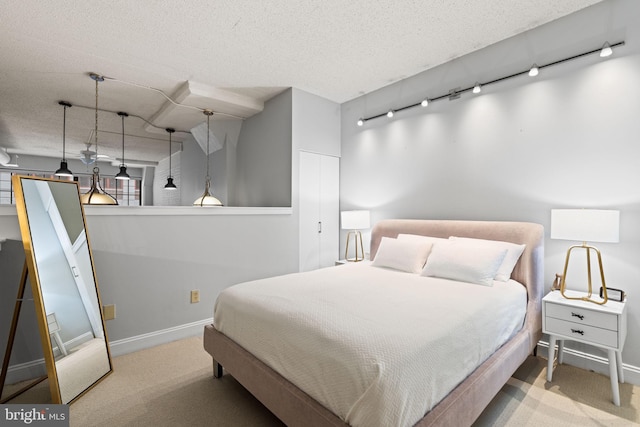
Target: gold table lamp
586, 225
354, 221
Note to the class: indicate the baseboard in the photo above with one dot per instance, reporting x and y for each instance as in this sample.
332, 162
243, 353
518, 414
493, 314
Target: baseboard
152, 339
592, 362
25, 371
36, 368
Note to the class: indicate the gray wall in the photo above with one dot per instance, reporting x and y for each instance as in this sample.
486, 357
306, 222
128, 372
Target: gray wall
147, 264
263, 156
567, 138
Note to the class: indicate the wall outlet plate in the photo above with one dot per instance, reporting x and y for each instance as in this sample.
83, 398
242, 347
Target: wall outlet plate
195, 296
109, 311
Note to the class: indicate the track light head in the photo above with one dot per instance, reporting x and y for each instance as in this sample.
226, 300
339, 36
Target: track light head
477, 88
360, 122
425, 102
534, 70
390, 113
606, 50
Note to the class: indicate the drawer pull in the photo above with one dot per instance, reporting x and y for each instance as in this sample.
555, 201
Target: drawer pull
577, 331
579, 316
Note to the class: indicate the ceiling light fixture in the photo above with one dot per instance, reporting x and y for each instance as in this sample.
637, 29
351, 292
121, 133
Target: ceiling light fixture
170, 185
64, 169
97, 195
207, 199
604, 51
534, 70
425, 102
123, 175
5, 159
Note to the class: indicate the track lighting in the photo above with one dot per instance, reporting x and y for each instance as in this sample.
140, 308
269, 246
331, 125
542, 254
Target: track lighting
604, 51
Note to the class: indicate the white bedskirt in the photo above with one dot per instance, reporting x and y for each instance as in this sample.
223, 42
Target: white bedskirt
376, 346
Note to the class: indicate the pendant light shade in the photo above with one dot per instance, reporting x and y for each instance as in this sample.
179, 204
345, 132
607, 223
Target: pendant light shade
96, 195
123, 175
170, 185
207, 199
64, 169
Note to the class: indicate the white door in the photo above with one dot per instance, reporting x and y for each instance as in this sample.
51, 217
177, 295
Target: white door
319, 205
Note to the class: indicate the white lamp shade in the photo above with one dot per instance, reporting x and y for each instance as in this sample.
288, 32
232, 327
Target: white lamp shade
586, 225
355, 220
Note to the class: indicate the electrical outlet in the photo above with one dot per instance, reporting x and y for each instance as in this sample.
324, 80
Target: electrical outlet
109, 311
195, 296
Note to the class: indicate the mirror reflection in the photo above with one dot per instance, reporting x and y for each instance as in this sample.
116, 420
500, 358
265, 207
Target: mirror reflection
63, 270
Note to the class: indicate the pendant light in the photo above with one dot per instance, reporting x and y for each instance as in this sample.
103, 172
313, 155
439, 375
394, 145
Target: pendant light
207, 199
64, 169
96, 195
170, 185
123, 175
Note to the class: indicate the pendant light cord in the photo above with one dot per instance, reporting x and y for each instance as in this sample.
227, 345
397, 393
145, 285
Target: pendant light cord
170, 131
64, 131
122, 116
96, 132
208, 113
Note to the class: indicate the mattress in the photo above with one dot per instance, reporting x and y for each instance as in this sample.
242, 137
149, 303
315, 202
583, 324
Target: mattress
376, 346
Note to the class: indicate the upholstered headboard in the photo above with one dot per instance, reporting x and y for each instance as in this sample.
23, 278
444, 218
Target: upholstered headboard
530, 267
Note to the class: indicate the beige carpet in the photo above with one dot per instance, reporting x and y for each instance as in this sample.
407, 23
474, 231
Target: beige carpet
172, 385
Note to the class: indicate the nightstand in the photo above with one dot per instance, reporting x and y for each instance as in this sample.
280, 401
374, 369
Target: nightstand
603, 326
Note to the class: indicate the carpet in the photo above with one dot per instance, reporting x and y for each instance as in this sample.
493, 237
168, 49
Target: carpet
172, 385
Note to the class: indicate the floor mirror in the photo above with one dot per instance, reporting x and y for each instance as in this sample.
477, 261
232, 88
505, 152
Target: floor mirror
59, 266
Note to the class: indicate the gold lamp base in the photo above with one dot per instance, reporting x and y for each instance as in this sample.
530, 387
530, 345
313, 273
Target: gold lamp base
358, 244
590, 291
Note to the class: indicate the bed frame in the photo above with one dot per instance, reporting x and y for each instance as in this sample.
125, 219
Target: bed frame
467, 401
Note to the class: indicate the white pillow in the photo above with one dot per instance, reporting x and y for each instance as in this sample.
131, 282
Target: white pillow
453, 259
514, 251
402, 255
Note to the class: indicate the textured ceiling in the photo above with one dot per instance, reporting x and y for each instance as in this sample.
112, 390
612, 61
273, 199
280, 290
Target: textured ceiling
333, 48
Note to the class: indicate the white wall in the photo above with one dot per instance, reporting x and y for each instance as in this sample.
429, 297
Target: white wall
567, 138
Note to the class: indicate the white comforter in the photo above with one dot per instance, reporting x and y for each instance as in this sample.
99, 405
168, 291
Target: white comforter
376, 346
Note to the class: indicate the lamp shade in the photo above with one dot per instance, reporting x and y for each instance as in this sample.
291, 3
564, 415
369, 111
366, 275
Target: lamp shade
585, 225
355, 220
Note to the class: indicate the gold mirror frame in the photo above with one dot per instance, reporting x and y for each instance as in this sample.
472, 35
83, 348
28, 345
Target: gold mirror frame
98, 365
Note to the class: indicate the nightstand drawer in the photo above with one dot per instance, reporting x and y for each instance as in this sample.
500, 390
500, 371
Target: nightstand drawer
581, 332
582, 316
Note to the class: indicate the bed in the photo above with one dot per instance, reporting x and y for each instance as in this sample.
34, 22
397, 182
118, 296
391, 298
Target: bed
275, 379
